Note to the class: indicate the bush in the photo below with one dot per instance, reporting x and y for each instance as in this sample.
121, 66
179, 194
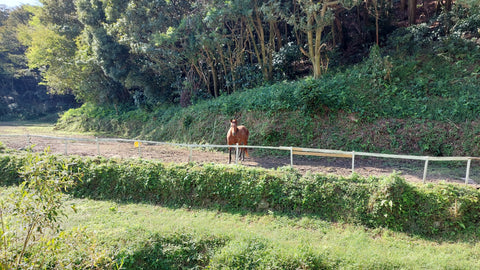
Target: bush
175, 251
9, 165
30, 214
377, 202
254, 253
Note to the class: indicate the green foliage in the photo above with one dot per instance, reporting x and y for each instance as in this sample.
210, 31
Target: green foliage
276, 116
153, 52
175, 251
21, 96
10, 175
254, 253
47, 48
392, 204
378, 202
323, 96
434, 69
440, 210
29, 216
104, 120
427, 209
150, 53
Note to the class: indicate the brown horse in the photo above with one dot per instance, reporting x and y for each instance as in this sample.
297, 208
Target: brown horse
237, 134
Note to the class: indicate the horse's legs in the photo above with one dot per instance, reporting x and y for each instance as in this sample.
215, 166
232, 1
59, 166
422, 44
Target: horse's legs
242, 153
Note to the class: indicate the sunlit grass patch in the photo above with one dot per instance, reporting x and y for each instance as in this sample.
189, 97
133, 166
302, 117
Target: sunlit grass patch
276, 240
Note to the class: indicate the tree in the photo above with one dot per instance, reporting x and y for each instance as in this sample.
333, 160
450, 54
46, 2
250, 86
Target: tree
263, 31
412, 11
20, 94
379, 10
154, 53
105, 51
61, 15
312, 18
51, 54
12, 59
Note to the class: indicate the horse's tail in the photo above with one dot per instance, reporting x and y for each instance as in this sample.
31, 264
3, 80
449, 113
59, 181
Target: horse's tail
246, 140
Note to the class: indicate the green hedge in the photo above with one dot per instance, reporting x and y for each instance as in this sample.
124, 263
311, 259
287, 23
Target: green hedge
428, 210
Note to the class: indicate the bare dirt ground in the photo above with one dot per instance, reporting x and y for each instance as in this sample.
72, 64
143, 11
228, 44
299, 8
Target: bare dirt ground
410, 170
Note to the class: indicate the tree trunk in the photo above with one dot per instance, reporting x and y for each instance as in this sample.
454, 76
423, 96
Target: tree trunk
264, 53
223, 62
403, 6
211, 64
412, 11
377, 16
448, 5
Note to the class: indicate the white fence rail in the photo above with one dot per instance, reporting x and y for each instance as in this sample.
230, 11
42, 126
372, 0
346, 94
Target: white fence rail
293, 151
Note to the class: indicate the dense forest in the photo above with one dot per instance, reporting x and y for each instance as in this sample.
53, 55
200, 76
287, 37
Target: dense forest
147, 53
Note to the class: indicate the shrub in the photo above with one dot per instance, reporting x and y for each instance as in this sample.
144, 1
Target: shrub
377, 202
30, 215
392, 204
254, 253
9, 165
175, 251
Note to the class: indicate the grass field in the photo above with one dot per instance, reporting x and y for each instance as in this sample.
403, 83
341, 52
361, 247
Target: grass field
120, 228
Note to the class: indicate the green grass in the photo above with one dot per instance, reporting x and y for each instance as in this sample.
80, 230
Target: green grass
122, 228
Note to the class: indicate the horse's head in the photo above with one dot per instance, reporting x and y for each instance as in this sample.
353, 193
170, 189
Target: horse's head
233, 126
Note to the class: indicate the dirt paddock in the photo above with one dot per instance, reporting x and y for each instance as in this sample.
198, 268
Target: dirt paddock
410, 170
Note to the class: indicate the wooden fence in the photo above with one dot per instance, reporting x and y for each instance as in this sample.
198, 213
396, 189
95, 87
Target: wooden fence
293, 151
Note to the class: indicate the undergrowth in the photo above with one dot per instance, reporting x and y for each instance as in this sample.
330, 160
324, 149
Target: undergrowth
428, 210
441, 212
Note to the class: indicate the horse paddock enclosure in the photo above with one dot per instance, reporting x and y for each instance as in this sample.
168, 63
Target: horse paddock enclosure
304, 160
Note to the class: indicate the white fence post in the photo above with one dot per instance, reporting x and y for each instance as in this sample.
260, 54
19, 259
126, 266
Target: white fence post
236, 153
353, 162
425, 170
291, 156
66, 147
468, 171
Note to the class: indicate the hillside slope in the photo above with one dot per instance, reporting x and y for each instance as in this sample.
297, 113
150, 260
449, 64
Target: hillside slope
417, 95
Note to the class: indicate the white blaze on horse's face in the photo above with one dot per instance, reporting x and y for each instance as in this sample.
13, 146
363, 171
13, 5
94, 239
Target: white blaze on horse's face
233, 125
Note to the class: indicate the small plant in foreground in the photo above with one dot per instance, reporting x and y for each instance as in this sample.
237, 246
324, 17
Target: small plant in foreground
30, 214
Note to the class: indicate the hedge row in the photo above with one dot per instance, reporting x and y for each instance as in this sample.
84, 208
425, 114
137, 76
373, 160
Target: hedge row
428, 210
